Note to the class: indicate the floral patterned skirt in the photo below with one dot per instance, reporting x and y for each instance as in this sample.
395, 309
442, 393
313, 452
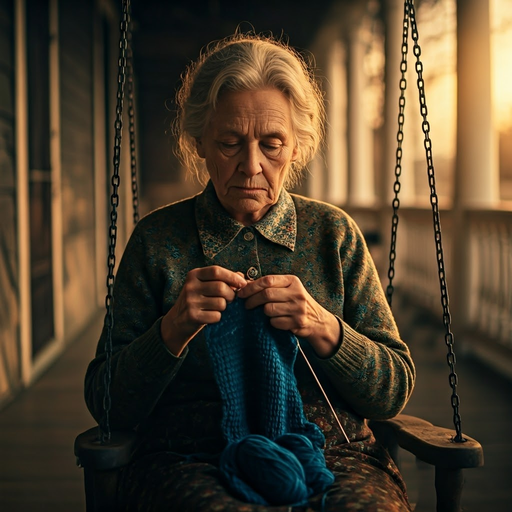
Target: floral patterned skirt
157, 484
366, 479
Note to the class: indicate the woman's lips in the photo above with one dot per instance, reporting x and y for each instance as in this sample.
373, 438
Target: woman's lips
248, 190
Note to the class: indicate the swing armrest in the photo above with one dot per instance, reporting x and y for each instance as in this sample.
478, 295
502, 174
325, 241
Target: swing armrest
101, 464
429, 443
91, 453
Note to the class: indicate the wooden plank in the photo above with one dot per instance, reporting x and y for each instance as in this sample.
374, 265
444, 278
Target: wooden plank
37, 433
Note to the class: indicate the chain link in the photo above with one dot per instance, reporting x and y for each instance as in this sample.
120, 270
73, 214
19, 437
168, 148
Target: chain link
427, 143
398, 164
131, 117
114, 203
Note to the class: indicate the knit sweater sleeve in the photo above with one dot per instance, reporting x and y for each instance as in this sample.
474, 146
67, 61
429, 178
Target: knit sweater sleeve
141, 365
372, 368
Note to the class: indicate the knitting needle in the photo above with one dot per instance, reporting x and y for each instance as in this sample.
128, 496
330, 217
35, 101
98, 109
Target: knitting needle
324, 393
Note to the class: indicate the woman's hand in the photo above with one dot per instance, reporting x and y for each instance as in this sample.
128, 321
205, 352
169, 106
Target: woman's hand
205, 294
290, 307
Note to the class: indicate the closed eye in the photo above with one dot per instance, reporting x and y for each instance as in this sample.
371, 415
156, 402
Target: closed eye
229, 148
272, 149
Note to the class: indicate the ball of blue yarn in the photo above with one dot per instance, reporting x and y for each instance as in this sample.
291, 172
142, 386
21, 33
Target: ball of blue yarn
318, 476
259, 470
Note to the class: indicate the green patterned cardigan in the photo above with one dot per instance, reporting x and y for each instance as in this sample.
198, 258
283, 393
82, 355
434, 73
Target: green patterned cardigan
175, 399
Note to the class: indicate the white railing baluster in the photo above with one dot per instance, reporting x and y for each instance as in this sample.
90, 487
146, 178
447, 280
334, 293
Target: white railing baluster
486, 321
489, 268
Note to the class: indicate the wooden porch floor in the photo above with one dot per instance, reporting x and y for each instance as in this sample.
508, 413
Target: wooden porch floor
37, 430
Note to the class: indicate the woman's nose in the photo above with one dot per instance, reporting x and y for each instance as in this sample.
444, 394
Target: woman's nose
250, 163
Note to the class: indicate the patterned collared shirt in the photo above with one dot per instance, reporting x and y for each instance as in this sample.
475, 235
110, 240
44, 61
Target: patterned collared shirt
372, 372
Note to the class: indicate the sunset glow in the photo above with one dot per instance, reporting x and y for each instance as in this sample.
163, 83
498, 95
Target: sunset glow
501, 60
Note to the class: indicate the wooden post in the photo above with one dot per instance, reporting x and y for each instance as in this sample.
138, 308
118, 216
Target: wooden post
359, 134
449, 484
476, 169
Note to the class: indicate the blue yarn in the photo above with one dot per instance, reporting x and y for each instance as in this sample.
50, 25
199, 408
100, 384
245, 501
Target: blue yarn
273, 455
259, 470
317, 476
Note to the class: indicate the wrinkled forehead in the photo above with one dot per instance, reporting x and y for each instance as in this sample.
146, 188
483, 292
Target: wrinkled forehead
266, 111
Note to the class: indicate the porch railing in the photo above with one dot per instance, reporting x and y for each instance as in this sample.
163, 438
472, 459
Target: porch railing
490, 276
487, 314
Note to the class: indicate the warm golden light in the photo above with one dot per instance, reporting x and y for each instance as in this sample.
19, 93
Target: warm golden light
438, 42
501, 58
501, 69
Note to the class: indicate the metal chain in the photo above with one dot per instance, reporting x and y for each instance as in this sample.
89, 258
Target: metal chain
131, 116
114, 203
449, 340
398, 166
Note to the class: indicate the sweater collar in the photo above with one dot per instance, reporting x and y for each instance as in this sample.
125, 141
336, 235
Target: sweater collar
217, 228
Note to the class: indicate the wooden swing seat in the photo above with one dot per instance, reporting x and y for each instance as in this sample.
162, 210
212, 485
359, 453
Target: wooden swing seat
428, 443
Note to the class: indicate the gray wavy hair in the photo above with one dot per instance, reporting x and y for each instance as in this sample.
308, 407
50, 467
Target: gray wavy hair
249, 62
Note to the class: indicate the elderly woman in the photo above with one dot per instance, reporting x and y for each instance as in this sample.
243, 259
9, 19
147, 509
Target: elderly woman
250, 119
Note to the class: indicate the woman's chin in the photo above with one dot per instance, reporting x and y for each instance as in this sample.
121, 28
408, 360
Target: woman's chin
247, 210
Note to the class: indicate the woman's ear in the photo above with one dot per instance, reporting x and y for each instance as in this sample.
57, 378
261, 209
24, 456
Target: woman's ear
200, 148
295, 153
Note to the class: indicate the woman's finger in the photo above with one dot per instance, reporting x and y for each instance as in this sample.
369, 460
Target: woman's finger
266, 282
216, 273
215, 289
284, 323
275, 309
275, 296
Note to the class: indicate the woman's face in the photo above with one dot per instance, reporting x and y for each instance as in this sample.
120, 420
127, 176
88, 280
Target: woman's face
248, 146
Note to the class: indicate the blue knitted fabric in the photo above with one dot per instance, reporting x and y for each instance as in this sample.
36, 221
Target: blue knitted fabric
253, 366
271, 445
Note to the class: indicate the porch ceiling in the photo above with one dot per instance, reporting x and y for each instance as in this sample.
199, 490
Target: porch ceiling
181, 27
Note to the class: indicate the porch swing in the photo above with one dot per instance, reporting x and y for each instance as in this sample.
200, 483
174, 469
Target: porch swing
102, 452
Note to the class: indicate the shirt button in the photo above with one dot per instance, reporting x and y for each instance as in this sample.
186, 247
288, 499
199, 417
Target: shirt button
248, 236
252, 273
